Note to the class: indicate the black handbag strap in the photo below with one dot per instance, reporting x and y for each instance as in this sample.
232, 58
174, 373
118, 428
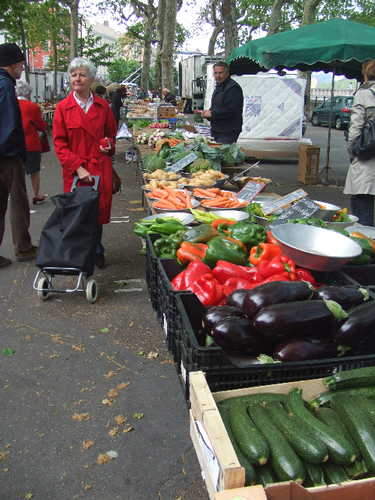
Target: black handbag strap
94, 186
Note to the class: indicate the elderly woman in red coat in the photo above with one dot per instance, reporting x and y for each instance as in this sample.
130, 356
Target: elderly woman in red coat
84, 131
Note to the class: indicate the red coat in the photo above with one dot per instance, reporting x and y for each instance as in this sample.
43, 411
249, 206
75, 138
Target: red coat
76, 137
32, 121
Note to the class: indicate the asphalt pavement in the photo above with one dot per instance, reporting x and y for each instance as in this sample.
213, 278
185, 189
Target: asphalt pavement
80, 380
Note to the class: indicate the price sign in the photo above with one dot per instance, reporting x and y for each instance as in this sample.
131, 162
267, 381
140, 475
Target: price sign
181, 164
250, 190
302, 209
284, 201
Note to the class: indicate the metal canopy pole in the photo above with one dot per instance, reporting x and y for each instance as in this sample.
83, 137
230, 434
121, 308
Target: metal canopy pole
326, 168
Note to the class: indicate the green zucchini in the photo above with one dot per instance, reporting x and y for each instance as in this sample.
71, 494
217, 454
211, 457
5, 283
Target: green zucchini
250, 477
334, 474
285, 463
253, 399
332, 419
314, 475
247, 436
357, 470
340, 449
325, 397
347, 379
298, 435
359, 424
265, 475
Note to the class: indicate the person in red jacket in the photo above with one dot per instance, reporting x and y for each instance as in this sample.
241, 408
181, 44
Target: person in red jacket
33, 124
84, 131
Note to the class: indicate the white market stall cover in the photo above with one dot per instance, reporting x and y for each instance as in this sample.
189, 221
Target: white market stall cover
273, 105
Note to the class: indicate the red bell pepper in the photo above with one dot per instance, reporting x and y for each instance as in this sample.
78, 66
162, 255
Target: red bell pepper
208, 290
224, 270
185, 278
233, 284
276, 277
189, 252
305, 275
270, 238
278, 265
263, 252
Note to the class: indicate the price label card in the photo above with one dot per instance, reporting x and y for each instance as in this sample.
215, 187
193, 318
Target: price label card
302, 209
284, 201
250, 190
181, 164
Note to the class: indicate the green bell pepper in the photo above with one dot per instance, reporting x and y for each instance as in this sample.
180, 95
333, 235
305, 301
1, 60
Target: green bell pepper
167, 246
160, 225
367, 254
248, 232
200, 234
223, 249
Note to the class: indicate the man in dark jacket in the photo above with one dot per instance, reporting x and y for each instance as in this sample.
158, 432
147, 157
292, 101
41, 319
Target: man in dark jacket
225, 113
12, 155
169, 98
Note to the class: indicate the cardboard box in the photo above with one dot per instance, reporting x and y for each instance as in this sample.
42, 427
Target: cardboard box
166, 112
220, 466
308, 164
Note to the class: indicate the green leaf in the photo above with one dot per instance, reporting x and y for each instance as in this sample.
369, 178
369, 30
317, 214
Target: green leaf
8, 351
104, 330
138, 416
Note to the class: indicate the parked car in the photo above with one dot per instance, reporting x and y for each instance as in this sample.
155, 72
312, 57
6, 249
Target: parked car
340, 112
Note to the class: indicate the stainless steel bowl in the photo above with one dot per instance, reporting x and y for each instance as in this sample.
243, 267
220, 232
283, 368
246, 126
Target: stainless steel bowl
326, 210
314, 247
353, 219
236, 215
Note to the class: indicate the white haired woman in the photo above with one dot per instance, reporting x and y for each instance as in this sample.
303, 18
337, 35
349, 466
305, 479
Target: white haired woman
84, 132
33, 124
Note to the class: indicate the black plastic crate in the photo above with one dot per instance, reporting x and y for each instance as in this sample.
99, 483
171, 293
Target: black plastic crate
363, 274
221, 374
169, 316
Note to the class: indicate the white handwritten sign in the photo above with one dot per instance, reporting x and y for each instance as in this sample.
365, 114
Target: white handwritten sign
302, 209
250, 190
181, 164
280, 203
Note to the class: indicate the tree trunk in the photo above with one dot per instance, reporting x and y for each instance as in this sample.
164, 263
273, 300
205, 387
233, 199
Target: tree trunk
54, 54
275, 16
25, 50
230, 27
73, 28
213, 38
160, 32
146, 62
168, 44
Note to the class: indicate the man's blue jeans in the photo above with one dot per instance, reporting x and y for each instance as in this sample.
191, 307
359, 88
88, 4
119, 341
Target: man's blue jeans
362, 205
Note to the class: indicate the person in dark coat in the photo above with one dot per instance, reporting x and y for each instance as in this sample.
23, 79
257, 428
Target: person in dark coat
116, 104
169, 98
12, 157
225, 113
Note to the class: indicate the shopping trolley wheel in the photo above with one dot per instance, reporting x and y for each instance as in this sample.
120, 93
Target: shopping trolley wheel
42, 288
91, 290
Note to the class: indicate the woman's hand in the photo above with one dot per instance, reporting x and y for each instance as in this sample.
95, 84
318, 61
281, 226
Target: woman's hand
105, 145
83, 174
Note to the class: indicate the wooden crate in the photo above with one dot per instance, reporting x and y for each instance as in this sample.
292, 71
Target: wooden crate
220, 467
166, 112
308, 164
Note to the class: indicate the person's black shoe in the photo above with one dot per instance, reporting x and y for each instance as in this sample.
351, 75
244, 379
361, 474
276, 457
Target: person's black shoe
100, 261
4, 262
27, 254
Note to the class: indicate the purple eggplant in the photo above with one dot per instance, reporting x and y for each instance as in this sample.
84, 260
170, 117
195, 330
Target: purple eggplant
346, 296
308, 318
358, 328
218, 313
236, 334
304, 349
236, 298
276, 292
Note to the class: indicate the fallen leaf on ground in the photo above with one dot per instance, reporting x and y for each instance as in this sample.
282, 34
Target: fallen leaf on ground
8, 351
113, 432
120, 419
27, 337
138, 416
110, 374
131, 324
112, 454
81, 417
57, 339
103, 458
152, 355
129, 428
121, 386
107, 402
87, 487
87, 443
112, 393
104, 330
53, 356
29, 496
3, 455
78, 347
140, 353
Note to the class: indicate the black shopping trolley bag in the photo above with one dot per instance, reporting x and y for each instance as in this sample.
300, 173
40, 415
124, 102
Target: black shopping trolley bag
70, 235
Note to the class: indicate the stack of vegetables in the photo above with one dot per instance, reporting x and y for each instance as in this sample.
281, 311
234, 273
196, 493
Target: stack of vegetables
280, 437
